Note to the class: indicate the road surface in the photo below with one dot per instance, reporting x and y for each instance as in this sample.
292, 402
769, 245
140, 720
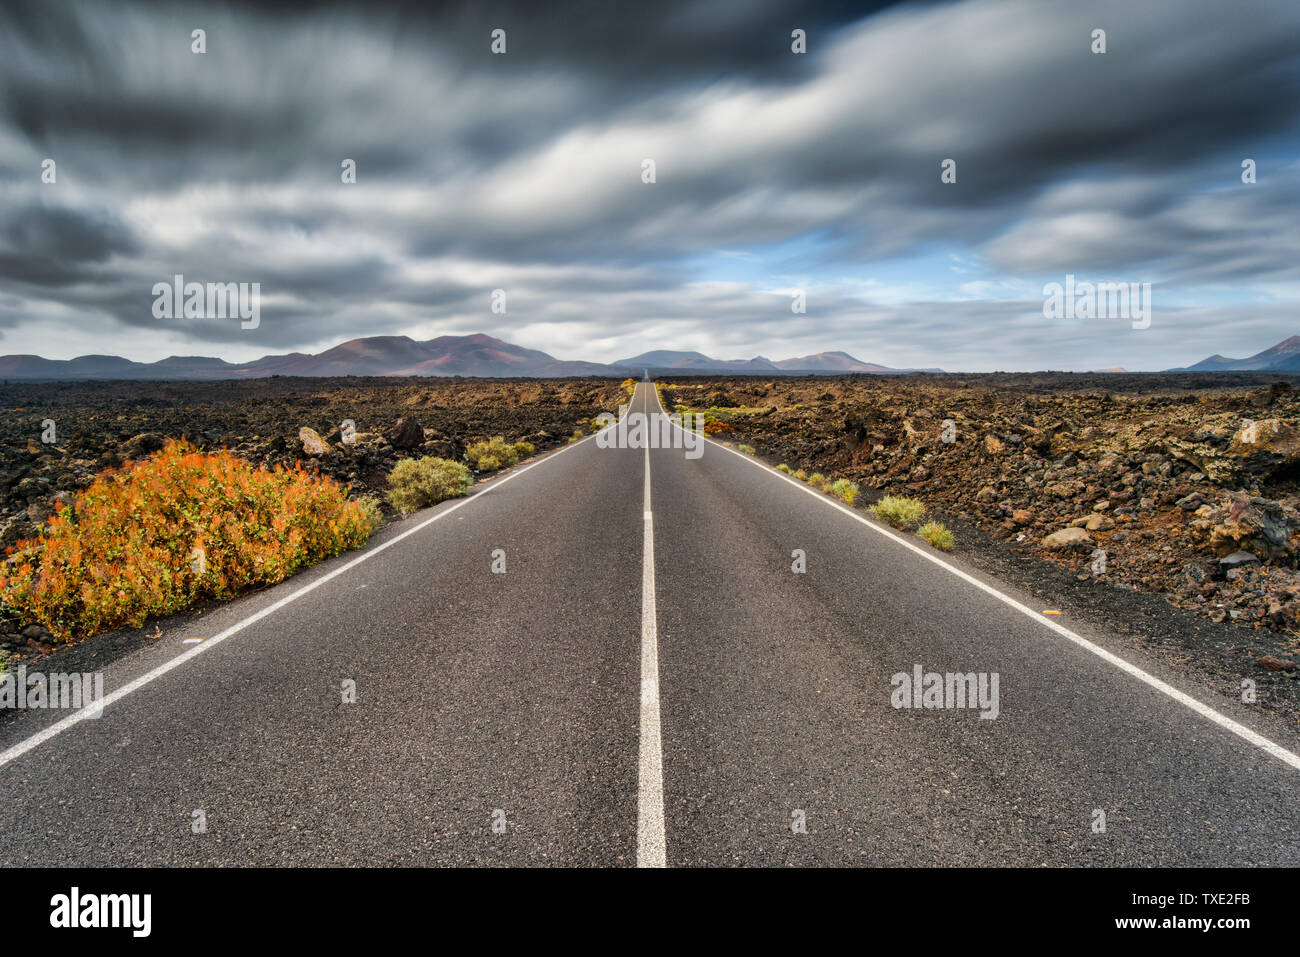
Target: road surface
649, 681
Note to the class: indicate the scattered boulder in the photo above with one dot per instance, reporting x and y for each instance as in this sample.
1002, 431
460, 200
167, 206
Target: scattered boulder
1265, 528
16, 530
1064, 489
312, 443
1271, 437
141, 446
406, 433
1068, 538
1097, 522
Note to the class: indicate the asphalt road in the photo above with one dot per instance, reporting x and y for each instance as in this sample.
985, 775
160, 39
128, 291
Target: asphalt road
649, 681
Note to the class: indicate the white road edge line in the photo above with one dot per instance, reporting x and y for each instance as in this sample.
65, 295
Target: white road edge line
1204, 710
650, 842
36, 740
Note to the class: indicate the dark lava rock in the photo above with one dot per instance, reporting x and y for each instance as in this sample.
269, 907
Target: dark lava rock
405, 434
141, 446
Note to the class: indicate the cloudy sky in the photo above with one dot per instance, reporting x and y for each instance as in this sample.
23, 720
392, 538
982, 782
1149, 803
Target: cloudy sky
775, 171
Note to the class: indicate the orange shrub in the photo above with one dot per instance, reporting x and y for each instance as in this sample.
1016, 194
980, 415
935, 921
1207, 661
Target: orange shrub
164, 533
714, 428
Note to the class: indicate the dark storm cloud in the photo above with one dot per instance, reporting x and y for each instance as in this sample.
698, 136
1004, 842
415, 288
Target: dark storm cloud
52, 245
523, 171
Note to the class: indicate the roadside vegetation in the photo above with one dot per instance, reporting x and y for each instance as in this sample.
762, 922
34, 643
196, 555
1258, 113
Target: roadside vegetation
899, 510
937, 534
172, 530
843, 489
372, 505
494, 453
419, 483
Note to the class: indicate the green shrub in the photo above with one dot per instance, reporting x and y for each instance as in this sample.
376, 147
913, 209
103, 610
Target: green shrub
492, 454
173, 530
419, 483
937, 535
747, 449
899, 510
783, 468
522, 450
5, 658
844, 489
801, 475
817, 479
374, 514
576, 436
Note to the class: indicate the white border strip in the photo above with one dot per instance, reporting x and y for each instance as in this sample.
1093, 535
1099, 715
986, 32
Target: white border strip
1204, 710
36, 740
650, 841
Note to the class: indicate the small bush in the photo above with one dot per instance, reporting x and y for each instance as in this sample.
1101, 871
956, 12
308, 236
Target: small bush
492, 454
937, 535
5, 658
523, 450
899, 510
576, 436
844, 489
419, 483
630, 386
801, 475
715, 427
746, 449
172, 530
783, 468
817, 479
374, 514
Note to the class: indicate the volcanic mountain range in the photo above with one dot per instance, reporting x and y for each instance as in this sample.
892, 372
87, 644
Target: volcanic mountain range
475, 355
482, 355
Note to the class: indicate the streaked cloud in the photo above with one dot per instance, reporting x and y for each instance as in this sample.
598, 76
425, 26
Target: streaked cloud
522, 172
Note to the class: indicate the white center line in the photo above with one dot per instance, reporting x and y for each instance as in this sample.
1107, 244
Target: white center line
650, 851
